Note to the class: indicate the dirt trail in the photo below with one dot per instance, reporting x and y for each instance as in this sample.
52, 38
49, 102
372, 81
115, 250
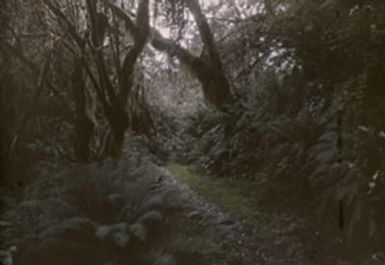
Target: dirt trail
239, 243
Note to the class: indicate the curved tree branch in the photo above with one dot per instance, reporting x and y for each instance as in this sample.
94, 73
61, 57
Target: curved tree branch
216, 88
210, 73
140, 35
205, 32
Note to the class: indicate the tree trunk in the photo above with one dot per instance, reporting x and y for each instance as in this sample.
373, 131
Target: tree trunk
210, 72
215, 84
84, 124
117, 113
269, 7
5, 84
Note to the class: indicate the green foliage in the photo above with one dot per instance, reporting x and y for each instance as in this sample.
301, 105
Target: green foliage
265, 136
309, 119
91, 215
307, 125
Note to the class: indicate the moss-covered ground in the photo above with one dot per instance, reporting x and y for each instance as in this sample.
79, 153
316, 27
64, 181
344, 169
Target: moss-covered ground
240, 199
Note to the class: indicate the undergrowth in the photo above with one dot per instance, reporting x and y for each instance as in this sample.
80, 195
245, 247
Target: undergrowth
118, 213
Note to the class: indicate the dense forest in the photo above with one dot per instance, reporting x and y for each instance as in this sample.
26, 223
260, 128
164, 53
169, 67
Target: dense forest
177, 132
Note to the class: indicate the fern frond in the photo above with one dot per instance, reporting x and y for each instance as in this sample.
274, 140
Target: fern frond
116, 233
138, 230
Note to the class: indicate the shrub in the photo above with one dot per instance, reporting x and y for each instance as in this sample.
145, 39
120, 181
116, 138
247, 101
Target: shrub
90, 215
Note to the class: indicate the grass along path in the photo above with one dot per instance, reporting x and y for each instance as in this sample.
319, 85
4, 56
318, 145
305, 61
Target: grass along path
274, 236
239, 200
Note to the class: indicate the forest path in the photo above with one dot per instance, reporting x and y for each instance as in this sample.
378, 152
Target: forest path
229, 218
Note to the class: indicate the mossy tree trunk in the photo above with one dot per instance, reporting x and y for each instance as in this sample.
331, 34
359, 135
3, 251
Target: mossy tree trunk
112, 96
209, 71
6, 113
84, 124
